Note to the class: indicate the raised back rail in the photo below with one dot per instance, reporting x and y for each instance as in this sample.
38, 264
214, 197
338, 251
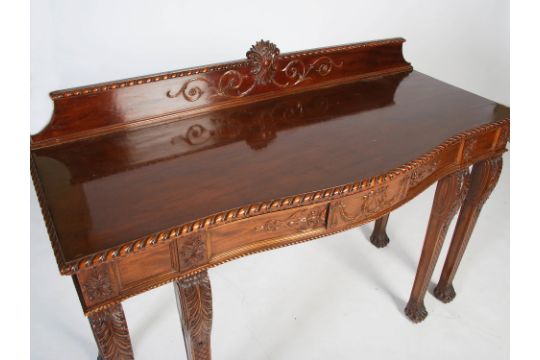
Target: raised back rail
103, 108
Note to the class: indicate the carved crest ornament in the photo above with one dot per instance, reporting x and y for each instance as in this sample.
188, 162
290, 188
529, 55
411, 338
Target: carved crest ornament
263, 68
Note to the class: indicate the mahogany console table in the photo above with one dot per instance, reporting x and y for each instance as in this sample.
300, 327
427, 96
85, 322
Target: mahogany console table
157, 179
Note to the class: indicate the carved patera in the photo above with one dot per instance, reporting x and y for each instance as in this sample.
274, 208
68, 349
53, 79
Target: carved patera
423, 172
111, 332
192, 251
194, 300
302, 220
262, 60
97, 285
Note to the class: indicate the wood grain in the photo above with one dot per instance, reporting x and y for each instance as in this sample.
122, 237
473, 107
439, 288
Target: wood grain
156, 179
449, 196
484, 177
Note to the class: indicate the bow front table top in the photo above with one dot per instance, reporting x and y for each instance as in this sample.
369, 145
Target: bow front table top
156, 179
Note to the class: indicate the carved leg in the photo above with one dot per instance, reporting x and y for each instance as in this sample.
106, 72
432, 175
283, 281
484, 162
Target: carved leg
484, 177
111, 334
194, 300
448, 198
379, 237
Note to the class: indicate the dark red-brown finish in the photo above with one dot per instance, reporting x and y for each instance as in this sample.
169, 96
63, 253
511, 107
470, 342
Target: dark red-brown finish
449, 196
94, 109
484, 177
157, 179
111, 333
194, 300
104, 191
379, 238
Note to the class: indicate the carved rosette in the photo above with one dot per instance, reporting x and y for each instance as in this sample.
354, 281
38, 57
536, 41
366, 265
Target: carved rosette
192, 251
302, 220
194, 299
263, 63
111, 333
96, 285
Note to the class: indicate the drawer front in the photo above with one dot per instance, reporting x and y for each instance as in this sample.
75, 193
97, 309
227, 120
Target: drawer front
267, 230
367, 205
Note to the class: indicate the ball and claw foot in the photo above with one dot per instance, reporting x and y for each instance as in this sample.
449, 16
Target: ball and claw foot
416, 312
444, 294
379, 240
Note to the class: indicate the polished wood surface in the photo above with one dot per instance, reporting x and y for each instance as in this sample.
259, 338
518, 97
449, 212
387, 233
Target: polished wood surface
157, 179
111, 333
266, 73
484, 177
171, 174
449, 196
194, 300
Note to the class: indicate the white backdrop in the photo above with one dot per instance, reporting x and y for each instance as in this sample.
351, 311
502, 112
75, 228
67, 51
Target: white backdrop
334, 298
73, 43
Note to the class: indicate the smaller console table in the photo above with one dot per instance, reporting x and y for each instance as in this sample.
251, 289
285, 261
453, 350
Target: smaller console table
157, 179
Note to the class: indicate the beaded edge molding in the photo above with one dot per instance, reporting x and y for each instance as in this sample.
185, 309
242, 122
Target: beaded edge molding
103, 87
135, 246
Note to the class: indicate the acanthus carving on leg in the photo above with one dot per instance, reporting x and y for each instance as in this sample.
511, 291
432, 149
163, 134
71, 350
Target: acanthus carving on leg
194, 300
111, 333
449, 196
484, 177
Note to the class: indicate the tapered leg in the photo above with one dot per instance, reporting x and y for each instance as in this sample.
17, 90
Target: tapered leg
484, 177
194, 300
379, 237
111, 334
448, 198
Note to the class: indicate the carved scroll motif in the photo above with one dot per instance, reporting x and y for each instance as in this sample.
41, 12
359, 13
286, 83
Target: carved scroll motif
192, 89
111, 332
97, 285
302, 220
263, 62
192, 251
